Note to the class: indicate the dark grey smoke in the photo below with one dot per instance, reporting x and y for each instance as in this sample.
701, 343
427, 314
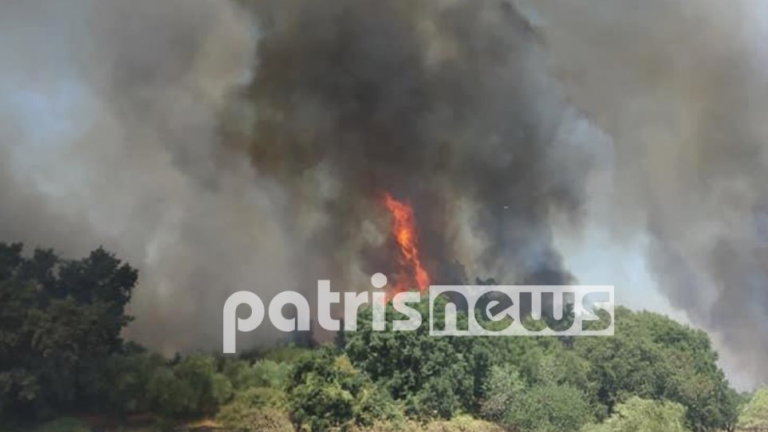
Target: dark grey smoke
446, 105
111, 135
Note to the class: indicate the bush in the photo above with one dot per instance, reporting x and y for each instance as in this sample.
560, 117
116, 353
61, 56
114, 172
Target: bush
190, 388
239, 418
129, 377
458, 424
63, 425
287, 355
549, 408
263, 373
259, 397
462, 424
755, 412
327, 392
503, 386
641, 415
170, 396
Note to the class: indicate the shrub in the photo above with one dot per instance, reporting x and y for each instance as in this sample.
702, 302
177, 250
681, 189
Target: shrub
190, 388
128, 377
462, 424
755, 412
63, 425
327, 392
261, 397
457, 424
239, 418
642, 415
503, 386
263, 373
549, 408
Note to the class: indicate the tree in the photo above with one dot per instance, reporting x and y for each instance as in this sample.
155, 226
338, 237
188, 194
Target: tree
654, 357
61, 319
434, 376
127, 377
755, 412
326, 391
643, 415
503, 387
189, 388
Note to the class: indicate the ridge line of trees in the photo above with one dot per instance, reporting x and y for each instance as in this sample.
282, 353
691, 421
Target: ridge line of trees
61, 353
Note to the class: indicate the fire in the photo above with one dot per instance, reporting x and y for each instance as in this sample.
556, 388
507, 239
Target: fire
412, 273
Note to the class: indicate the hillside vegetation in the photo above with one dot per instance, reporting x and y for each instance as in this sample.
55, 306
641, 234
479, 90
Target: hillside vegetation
62, 357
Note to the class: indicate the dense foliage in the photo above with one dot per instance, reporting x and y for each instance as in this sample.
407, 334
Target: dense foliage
754, 414
61, 354
580, 379
641, 415
59, 323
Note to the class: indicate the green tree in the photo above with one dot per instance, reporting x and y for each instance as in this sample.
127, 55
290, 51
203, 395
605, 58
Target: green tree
127, 379
654, 357
503, 387
434, 377
61, 319
192, 387
326, 391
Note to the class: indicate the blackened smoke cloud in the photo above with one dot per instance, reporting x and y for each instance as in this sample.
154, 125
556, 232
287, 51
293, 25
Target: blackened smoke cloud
446, 105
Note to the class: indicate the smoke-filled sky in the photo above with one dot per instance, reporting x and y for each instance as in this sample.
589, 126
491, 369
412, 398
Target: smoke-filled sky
219, 149
681, 88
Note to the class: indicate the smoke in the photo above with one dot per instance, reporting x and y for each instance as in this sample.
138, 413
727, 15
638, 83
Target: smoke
116, 137
681, 89
446, 105
112, 139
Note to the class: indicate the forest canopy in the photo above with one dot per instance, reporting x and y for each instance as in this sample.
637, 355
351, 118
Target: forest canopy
62, 354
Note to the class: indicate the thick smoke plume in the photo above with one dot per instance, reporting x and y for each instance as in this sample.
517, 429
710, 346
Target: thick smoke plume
682, 90
446, 105
164, 138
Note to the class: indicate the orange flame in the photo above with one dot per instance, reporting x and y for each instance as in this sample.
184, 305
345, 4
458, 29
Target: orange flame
412, 273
